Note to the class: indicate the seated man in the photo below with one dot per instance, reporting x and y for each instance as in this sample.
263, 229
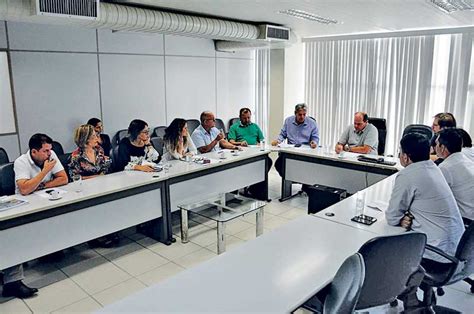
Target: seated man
440, 121
362, 138
244, 133
422, 200
458, 170
297, 129
207, 138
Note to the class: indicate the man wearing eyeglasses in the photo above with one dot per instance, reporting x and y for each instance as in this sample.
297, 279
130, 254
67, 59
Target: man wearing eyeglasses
361, 138
207, 137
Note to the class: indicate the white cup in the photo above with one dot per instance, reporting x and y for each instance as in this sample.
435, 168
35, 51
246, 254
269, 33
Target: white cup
54, 194
262, 145
360, 203
187, 158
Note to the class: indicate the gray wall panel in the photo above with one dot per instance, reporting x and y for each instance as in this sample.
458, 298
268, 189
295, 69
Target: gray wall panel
25, 36
120, 42
132, 88
55, 92
189, 46
10, 144
3, 36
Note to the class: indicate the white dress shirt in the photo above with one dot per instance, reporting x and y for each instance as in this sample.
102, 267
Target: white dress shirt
469, 152
421, 189
458, 171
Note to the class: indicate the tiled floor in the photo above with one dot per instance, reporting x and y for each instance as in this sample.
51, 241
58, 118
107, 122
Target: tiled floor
88, 279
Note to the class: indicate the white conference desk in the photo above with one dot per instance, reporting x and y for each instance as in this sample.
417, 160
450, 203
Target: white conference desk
117, 201
315, 166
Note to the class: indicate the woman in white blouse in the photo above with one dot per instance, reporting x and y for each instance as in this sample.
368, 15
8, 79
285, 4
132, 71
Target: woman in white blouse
178, 143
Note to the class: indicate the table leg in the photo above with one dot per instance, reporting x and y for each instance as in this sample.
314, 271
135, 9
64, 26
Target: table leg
220, 237
184, 226
259, 222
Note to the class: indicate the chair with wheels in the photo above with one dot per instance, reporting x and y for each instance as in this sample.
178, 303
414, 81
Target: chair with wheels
3, 156
381, 125
7, 179
192, 125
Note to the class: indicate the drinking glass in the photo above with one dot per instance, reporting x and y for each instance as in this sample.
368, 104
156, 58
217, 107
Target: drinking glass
360, 203
77, 179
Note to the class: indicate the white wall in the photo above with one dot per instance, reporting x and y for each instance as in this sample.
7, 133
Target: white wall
294, 78
63, 75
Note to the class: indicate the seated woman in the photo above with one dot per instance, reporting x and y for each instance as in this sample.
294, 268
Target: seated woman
178, 143
104, 139
135, 152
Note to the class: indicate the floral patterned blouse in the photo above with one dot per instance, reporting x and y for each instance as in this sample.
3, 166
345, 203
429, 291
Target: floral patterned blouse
80, 164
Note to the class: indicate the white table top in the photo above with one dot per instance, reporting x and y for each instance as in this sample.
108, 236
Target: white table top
120, 181
276, 273
343, 211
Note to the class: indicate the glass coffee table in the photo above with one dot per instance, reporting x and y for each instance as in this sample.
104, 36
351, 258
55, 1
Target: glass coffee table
221, 209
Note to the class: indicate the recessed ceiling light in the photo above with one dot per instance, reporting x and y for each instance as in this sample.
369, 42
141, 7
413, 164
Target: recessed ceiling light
450, 6
307, 16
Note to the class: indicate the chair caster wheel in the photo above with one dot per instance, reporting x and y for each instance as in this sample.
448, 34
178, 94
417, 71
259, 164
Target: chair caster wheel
394, 303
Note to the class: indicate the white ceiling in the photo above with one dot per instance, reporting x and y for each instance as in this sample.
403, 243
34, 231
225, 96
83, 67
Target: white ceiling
354, 16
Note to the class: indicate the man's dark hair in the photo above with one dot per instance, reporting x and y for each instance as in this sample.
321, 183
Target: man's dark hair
416, 146
244, 110
365, 116
37, 141
466, 138
93, 121
135, 127
446, 120
451, 139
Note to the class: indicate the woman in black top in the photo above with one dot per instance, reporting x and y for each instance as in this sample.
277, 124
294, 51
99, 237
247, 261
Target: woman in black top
135, 152
104, 139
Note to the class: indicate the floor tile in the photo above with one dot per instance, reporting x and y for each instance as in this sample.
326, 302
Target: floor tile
159, 274
119, 291
126, 246
76, 254
14, 306
462, 286
96, 274
138, 262
56, 296
87, 305
294, 213
460, 301
39, 275
275, 222
276, 208
173, 251
236, 226
231, 242
249, 234
251, 218
202, 235
195, 258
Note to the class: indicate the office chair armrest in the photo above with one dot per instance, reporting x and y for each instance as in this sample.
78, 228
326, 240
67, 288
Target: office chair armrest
441, 253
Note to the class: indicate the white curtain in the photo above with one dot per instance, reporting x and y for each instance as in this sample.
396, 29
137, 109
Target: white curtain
402, 79
262, 83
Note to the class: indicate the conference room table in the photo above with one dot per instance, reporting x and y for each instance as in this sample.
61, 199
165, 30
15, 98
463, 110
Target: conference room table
120, 200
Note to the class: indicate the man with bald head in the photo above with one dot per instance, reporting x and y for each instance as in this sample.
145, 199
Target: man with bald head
361, 138
207, 137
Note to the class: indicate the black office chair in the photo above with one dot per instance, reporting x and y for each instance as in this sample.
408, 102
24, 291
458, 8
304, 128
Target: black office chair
114, 155
118, 137
419, 128
65, 159
57, 148
159, 131
381, 125
192, 125
232, 121
344, 290
3, 156
220, 125
7, 179
158, 144
459, 267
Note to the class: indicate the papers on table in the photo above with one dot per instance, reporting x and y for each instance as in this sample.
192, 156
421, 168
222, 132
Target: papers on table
46, 193
7, 202
285, 145
378, 205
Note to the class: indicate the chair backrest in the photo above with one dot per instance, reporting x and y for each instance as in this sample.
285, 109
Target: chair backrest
465, 253
119, 136
114, 155
345, 288
159, 131
64, 160
381, 125
3, 156
192, 125
232, 121
418, 128
220, 125
7, 179
58, 148
389, 263
158, 144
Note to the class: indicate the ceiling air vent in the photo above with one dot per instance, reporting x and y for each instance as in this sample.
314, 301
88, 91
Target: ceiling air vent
84, 9
274, 33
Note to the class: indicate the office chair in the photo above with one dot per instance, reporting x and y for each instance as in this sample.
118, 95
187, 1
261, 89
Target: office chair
159, 131
459, 267
232, 121
158, 144
65, 159
192, 125
344, 290
7, 179
118, 137
220, 125
114, 155
57, 148
381, 125
418, 128
3, 156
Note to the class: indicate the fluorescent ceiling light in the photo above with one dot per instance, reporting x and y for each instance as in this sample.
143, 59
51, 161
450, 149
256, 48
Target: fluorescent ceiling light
450, 6
307, 16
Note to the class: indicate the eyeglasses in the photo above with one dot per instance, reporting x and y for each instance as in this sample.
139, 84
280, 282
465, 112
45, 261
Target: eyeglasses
146, 131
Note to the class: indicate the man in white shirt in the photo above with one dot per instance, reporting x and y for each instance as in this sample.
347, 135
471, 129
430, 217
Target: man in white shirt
467, 148
421, 199
458, 170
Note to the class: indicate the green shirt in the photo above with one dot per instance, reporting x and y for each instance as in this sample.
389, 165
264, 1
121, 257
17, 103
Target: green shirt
250, 133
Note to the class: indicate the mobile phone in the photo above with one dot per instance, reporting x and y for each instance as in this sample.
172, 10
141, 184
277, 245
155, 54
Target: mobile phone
297, 145
48, 191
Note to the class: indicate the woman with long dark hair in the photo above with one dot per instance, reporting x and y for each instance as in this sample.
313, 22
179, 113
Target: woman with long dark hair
178, 143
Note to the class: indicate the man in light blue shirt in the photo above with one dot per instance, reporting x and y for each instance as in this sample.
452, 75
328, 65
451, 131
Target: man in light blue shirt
207, 138
299, 130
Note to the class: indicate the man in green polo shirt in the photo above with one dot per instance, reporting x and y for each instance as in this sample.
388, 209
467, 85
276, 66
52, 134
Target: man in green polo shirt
244, 132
